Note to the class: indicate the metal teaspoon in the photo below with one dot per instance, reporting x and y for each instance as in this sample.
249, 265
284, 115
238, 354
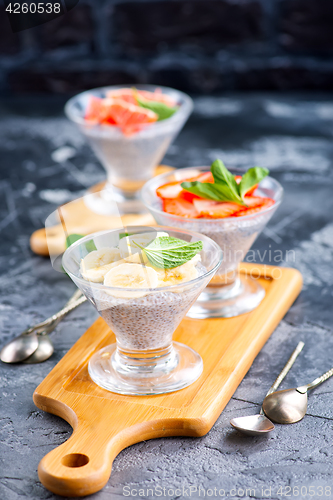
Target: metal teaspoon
23, 346
289, 406
254, 425
45, 347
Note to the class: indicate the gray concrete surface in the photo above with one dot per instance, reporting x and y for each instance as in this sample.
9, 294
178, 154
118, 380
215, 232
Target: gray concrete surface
290, 135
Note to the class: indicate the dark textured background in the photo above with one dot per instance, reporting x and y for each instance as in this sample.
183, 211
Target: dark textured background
199, 46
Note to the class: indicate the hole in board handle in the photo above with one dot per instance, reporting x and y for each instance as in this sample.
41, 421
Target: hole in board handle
75, 460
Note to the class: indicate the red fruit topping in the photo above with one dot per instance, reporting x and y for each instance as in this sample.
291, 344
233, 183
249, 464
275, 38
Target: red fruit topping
205, 177
170, 190
126, 115
94, 109
216, 209
180, 207
255, 204
186, 195
129, 95
250, 192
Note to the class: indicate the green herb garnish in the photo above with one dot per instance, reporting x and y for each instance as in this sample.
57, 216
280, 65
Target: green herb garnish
166, 252
72, 238
162, 110
252, 177
123, 235
225, 187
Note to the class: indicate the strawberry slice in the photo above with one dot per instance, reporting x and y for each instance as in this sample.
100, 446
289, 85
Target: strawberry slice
250, 192
205, 177
181, 175
173, 190
186, 195
216, 209
180, 207
170, 190
255, 204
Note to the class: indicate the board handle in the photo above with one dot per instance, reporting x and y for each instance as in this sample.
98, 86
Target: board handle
82, 465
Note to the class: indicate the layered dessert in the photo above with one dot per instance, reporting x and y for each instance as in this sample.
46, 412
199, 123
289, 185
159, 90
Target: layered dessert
143, 281
150, 282
130, 109
230, 209
129, 129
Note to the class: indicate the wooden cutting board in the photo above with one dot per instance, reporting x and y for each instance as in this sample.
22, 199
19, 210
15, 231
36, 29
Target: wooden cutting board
79, 219
104, 423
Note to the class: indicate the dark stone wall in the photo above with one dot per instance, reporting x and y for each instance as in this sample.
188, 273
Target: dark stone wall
196, 45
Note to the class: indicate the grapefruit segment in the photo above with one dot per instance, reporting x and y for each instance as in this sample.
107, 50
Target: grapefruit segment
127, 116
157, 96
94, 109
120, 107
128, 95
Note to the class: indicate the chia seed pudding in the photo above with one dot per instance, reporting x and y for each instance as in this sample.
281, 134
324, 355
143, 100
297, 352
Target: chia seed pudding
148, 322
132, 159
129, 160
234, 235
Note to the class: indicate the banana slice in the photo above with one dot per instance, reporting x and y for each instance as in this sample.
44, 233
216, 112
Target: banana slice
130, 252
96, 264
180, 274
129, 276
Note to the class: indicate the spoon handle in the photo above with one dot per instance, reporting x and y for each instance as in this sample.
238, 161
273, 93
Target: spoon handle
76, 295
316, 382
285, 370
50, 323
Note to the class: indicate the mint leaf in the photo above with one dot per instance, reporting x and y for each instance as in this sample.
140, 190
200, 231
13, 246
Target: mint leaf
72, 238
209, 191
252, 177
225, 187
222, 176
90, 246
166, 252
162, 110
123, 235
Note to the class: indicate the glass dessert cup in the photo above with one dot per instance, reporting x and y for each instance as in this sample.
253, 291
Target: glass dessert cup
229, 293
144, 360
129, 161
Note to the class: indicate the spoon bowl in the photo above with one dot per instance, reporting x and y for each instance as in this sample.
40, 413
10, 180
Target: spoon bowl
43, 352
289, 406
286, 407
35, 338
253, 425
20, 348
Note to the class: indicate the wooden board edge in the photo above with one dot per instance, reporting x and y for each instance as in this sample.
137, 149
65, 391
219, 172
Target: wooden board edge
295, 281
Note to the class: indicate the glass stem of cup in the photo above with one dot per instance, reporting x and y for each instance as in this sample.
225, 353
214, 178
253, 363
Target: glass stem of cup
145, 361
